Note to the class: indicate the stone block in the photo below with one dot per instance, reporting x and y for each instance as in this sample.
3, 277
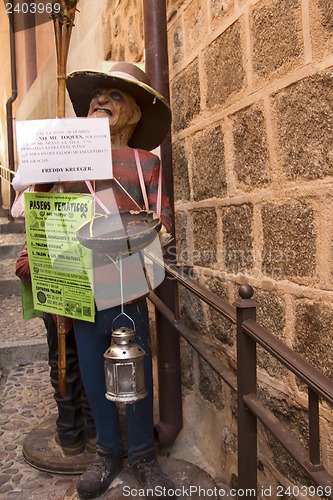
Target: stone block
187, 367
304, 116
192, 311
252, 163
123, 36
271, 315
321, 27
326, 10
271, 312
224, 66
204, 237
107, 38
219, 327
209, 174
180, 172
176, 42
186, 97
237, 238
219, 9
295, 419
196, 23
210, 385
135, 36
313, 334
174, 5
181, 238
276, 32
289, 246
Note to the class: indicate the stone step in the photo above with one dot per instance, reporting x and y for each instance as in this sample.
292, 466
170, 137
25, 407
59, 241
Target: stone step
10, 251
21, 341
10, 286
9, 282
10, 247
22, 352
11, 226
12, 239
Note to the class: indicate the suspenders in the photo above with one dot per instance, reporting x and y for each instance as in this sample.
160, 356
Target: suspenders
92, 190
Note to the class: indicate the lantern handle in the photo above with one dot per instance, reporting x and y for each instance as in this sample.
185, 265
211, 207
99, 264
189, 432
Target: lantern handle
127, 316
119, 260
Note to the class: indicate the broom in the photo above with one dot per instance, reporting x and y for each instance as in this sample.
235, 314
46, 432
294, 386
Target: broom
63, 21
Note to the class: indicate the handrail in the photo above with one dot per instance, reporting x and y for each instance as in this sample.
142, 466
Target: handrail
220, 305
206, 349
312, 377
8, 171
250, 407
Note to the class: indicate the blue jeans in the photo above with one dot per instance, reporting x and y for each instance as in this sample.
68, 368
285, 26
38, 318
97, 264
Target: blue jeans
92, 340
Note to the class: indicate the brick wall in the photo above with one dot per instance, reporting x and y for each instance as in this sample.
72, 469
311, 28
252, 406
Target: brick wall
252, 100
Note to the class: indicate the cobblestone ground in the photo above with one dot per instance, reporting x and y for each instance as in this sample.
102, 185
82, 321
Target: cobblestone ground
27, 399
15, 328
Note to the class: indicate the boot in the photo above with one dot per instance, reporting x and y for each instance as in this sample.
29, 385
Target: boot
72, 449
74, 422
99, 475
150, 476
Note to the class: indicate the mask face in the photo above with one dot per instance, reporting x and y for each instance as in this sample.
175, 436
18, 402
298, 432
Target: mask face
119, 107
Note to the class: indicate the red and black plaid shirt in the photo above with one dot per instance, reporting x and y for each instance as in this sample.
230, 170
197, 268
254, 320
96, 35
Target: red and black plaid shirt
106, 275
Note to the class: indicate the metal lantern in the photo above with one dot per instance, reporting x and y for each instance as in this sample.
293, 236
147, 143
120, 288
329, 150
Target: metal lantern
124, 368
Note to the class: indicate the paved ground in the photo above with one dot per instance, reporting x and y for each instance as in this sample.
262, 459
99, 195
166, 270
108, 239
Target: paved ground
27, 403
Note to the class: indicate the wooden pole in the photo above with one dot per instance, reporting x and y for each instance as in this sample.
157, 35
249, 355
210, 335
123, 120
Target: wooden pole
63, 22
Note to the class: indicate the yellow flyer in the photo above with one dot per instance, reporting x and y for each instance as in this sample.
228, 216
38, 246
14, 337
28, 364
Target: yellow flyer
60, 266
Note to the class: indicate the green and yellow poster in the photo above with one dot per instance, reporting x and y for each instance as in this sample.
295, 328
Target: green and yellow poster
61, 268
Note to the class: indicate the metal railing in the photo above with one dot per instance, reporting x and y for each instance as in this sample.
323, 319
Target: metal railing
6, 175
250, 407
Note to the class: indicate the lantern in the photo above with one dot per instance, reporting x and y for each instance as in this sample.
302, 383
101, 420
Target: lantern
124, 368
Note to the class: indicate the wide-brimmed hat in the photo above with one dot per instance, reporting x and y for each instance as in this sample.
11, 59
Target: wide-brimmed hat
154, 124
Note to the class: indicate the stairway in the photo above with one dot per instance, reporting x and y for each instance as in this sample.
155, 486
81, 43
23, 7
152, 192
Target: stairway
21, 341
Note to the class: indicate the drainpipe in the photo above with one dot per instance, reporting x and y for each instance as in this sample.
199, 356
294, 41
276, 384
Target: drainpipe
168, 346
9, 108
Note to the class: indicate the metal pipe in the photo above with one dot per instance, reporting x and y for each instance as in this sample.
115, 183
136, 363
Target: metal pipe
9, 109
168, 344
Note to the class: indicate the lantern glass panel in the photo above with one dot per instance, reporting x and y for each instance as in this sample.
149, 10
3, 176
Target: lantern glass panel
125, 378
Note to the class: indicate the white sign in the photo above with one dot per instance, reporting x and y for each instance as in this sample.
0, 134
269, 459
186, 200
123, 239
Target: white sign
63, 149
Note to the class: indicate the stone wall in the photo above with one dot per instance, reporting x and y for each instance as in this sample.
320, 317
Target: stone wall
252, 101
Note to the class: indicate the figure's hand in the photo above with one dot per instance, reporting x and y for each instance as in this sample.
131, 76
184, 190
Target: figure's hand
60, 187
67, 187
164, 236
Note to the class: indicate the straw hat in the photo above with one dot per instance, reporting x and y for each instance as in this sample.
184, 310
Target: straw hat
156, 115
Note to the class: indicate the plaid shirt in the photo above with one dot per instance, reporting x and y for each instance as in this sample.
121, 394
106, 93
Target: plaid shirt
106, 274
125, 171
